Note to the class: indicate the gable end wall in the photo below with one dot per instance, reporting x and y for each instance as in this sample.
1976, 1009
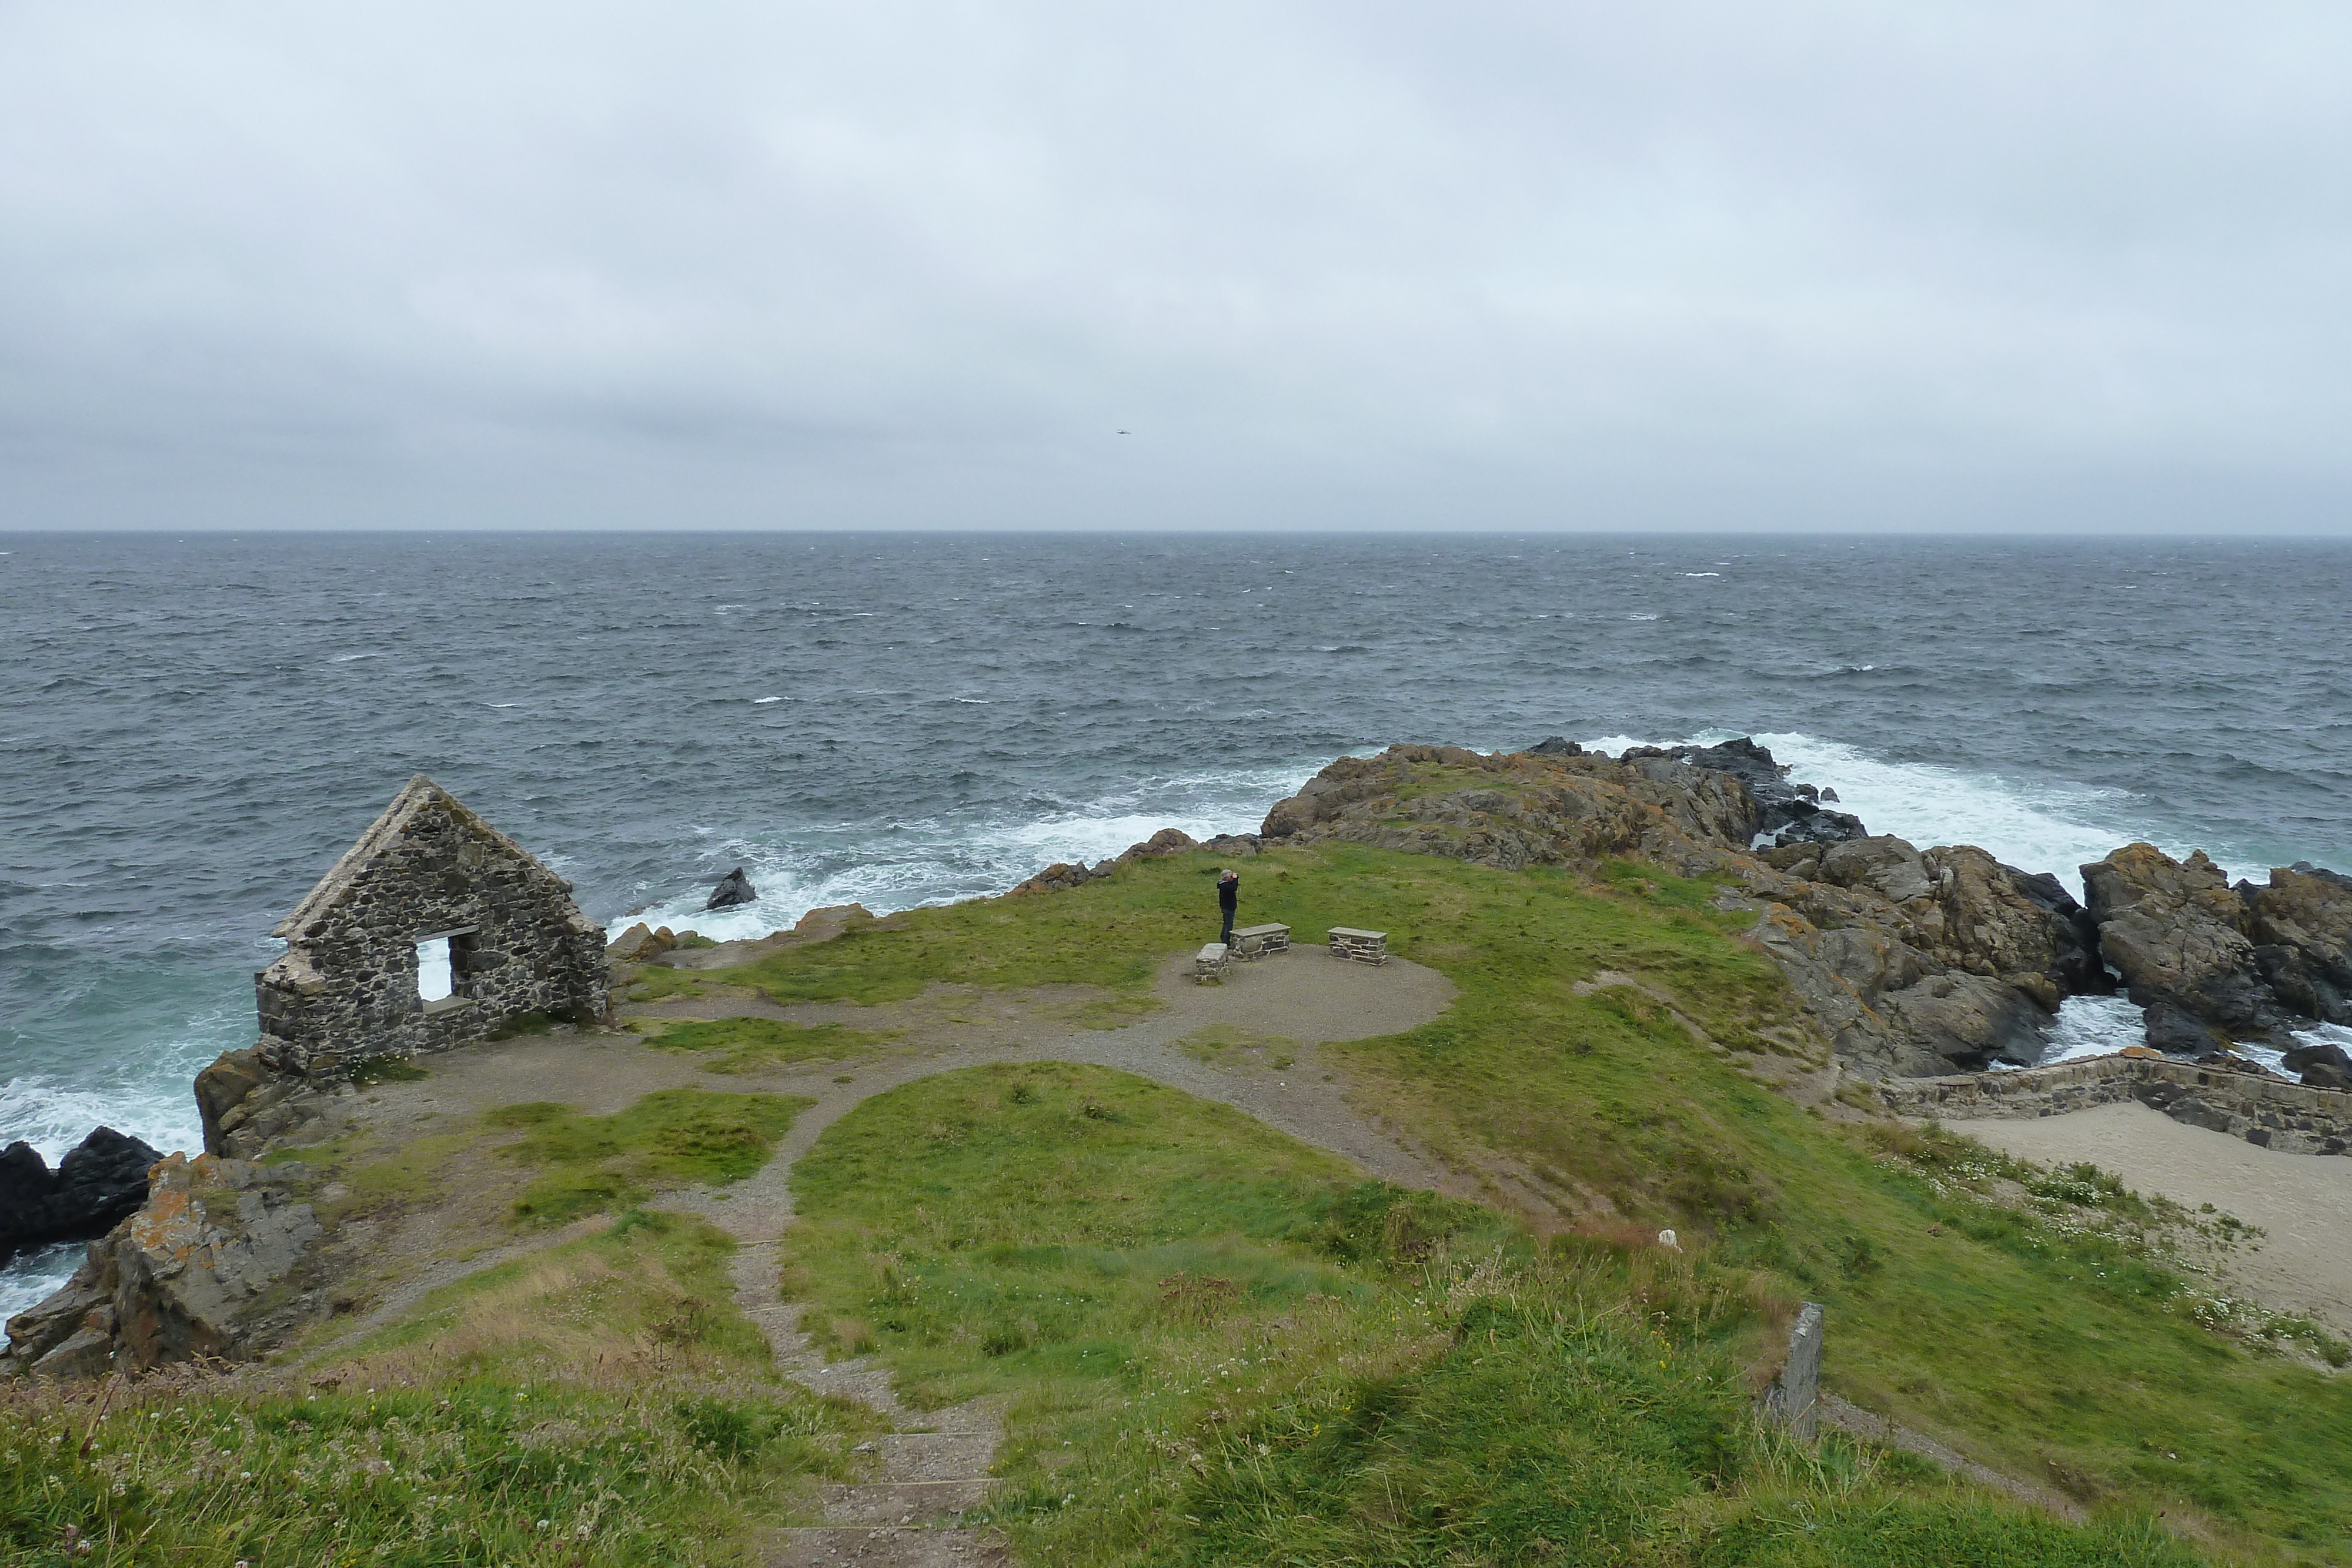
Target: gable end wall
345, 989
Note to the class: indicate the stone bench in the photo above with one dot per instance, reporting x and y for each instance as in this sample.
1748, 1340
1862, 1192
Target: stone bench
1363, 946
1257, 941
1209, 964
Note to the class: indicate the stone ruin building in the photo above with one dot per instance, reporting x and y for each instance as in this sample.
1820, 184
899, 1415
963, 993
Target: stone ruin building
434, 929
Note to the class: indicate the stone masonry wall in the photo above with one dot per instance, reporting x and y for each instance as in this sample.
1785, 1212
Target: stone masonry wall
2266, 1111
346, 988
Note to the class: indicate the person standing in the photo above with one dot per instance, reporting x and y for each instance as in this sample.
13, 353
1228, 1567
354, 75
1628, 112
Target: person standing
1229, 898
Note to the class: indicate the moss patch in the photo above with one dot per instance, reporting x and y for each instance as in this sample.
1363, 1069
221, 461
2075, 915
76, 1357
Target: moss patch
668, 1138
739, 1045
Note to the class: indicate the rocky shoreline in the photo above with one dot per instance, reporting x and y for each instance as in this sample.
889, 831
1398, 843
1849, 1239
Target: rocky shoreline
1914, 963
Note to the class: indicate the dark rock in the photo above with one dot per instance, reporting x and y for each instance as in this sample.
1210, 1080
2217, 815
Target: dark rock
1792, 813
1557, 745
2324, 1065
733, 889
93, 1189
2177, 1032
1970, 1020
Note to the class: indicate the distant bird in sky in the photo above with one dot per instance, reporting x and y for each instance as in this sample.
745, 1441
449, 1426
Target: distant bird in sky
1122, 433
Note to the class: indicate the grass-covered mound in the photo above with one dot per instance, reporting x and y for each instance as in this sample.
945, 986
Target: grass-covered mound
600, 1402
1219, 1348
2036, 1341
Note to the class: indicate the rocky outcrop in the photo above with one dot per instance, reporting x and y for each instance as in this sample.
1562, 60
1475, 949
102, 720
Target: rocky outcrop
2177, 932
2300, 926
210, 1267
734, 888
1912, 962
1786, 813
1063, 874
98, 1182
2213, 962
639, 943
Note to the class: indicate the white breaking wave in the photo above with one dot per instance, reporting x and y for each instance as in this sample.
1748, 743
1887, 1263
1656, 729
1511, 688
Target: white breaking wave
2034, 825
2094, 1026
935, 861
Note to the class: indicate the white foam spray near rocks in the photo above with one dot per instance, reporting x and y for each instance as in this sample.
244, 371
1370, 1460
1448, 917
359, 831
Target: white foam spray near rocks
2094, 1026
939, 859
2035, 826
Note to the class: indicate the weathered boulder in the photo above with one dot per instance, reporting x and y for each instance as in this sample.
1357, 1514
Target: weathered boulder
223, 1088
84, 1304
1994, 919
1556, 746
1062, 874
205, 1269
2175, 1031
2301, 926
1166, 841
99, 1182
639, 943
2176, 932
734, 888
2324, 1064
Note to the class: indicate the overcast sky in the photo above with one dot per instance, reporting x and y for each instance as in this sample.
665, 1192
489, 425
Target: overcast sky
1869, 265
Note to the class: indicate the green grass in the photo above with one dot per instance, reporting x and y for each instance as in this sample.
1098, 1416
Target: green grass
540, 1470
374, 1069
1219, 1348
2027, 1337
668, 1138
740, 1045
640, 1280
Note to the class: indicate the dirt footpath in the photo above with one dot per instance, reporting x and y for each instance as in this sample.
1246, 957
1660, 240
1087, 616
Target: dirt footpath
2304, 1201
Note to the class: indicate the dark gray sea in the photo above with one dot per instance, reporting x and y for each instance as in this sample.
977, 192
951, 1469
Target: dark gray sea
190, 730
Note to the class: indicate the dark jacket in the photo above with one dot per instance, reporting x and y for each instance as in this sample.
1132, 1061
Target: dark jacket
1228, 894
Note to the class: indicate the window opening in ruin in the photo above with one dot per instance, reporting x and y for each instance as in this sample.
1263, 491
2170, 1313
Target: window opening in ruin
435, 977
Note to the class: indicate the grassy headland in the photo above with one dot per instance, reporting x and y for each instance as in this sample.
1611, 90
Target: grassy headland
1215, 1344
2049, 1346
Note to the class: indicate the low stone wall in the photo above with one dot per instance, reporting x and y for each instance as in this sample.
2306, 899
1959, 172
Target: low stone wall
2267, 1112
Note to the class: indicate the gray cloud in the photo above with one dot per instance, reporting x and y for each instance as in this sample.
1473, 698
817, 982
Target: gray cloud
1827, 265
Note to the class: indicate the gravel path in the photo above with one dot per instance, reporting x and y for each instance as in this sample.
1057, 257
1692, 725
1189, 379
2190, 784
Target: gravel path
2303, 1201
934, 1465
937, 1464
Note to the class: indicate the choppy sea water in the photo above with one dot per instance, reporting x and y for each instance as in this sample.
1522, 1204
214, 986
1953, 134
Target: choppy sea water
192, 729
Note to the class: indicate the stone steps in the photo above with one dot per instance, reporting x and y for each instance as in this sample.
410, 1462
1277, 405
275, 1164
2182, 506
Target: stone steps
880, 1547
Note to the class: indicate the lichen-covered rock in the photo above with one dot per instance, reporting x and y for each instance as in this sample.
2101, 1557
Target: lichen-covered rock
207, 1268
